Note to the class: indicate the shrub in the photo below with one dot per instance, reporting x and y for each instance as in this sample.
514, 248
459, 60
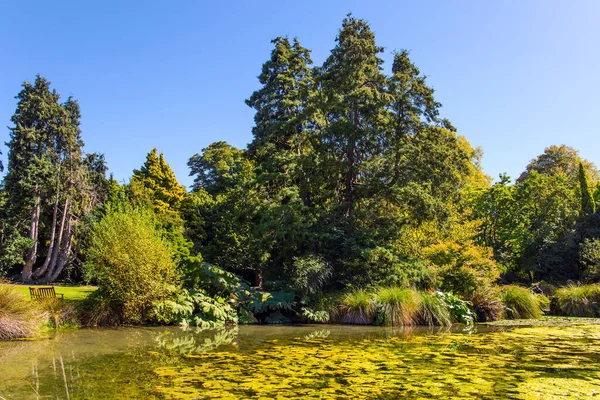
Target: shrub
98, 309
357, 308
309, 274
434, 310
196, 309
520, 302
397, 306
132, 264
19, 317
579, 300
462, 268
487, 304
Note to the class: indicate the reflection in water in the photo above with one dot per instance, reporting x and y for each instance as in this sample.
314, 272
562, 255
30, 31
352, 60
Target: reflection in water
193, 340
302, 362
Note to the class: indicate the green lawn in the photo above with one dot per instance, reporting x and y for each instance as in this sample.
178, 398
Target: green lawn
70, 292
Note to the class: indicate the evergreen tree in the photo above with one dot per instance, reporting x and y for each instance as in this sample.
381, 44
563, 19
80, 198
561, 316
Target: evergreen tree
353, 107
588, 206
158, 177
45, 183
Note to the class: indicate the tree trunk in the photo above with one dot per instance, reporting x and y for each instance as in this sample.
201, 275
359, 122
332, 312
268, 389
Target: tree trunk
64, 254
351, 173
33, 235
42, 270
59, 240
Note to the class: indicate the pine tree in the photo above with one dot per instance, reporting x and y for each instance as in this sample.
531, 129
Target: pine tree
281, 144
353, 103
588, 206
158, 177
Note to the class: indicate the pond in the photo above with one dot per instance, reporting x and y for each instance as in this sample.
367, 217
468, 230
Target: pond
319, 361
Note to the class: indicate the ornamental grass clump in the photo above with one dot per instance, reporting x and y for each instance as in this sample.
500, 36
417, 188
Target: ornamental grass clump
434, 310
397, 306
487, 304
19, 317
357, 308
579, 300
521, 303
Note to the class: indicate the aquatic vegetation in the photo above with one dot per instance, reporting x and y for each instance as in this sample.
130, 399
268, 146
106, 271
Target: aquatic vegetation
487, 304
19, 317
398, 306
357, 308
335, 362
520, 302
501, 364
579, 300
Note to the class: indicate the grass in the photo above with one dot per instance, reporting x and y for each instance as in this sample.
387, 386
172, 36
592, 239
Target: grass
579, 300
487, 304
434, 311
74, 293
521, 303
398, 307
19, 318
357, 308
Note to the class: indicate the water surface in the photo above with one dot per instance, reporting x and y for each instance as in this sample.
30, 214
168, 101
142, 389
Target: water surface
320, 361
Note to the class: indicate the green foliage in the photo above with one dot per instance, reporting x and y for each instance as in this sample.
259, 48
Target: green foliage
196, 309
19, 317
459, 309
358, 308
434, 310
521, 303
462, 268
131, 263
588, 205
309, 274
397, 306
579, 300
312, 315
589, 256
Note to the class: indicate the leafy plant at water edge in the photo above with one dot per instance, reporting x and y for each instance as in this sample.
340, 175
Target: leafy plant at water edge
459, 309
520, 302
357, 308
434, 310
579, 300
197, 309
397, 306
312, 315
487, 304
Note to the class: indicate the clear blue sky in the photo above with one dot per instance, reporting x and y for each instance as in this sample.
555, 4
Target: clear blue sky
513, 76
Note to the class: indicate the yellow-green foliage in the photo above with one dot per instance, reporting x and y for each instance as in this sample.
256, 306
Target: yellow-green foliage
132, 264
397, 306
579, 300
550, 363
357, 308
522, 303
19, 317
462, 268
157, 176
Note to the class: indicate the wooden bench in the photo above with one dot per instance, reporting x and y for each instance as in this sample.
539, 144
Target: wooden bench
43, 293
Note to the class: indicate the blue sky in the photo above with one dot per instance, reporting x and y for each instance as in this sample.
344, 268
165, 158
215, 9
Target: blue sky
513, 76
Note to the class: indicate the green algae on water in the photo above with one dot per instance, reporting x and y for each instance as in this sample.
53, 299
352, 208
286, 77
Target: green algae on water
527, 363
